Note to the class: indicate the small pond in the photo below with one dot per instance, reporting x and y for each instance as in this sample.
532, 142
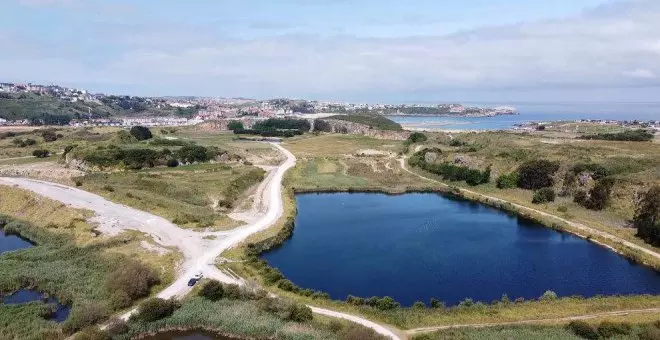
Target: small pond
187, 335
422, 245
9, 242
26, 295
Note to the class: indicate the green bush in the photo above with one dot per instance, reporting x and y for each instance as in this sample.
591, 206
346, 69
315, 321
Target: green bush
537, 174
130, 282
639, 135
419, 305
235, 125
583, 329
41, 153
117, 327
141, 133
417, 137
359, 332
435, 303
155, 309
548, 296
49, 136
83, 315
608, 329
507, 181
599, 195
212, 290
647, 216
543, 195
194, 153
650, 333
92, 333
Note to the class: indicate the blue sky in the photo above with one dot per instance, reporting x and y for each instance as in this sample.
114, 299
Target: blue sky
360, 50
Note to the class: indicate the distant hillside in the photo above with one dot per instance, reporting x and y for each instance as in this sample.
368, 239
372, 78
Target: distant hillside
375, 121
16, 106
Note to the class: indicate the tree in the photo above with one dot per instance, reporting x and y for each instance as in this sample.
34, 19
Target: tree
212, 290
543, 195
141, 132
193, 153
537, 174
235, 125
647, 216
435, 303
599, 195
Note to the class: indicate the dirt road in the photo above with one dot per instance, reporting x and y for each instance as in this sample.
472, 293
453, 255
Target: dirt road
199, 253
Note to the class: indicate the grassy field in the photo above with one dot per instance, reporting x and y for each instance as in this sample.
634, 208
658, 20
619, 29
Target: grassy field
529, 333
195, 196
68, 262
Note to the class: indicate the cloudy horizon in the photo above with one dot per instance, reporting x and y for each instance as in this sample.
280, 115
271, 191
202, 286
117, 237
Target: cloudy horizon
495, 51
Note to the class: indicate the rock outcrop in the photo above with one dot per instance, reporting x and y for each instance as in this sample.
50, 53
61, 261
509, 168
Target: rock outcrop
341, 126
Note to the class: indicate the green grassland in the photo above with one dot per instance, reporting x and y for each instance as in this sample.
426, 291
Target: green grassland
196, 196
68, 262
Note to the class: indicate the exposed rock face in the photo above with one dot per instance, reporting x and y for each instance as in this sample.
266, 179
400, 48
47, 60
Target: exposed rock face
430, 157
340, 126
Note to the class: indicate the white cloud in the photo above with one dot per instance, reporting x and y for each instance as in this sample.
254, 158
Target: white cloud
615, 45
640, 73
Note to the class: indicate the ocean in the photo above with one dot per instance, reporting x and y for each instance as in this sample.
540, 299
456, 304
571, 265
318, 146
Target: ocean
537, 112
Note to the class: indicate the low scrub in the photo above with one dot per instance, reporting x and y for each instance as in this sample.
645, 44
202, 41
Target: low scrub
639, 135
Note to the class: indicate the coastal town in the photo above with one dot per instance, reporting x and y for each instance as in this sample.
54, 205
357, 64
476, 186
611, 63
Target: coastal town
80, 107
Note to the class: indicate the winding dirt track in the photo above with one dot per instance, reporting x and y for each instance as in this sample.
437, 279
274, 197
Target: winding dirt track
199, 254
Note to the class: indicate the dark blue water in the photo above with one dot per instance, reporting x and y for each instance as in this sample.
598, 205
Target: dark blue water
417, 246
27, 295
12, 242
187, 335
538, 112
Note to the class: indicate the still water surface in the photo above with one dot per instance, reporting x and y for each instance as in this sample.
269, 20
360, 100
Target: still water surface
421, 245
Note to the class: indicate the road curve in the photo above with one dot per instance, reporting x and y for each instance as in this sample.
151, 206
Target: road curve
199, 253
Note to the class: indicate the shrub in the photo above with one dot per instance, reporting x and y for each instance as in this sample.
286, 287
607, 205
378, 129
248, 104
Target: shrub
92, 333
650, 333
193, 153
387, 303
639, 135
141, 132
583, 329
49, 136
172, 163
212, 290
543, 195
537, 174
235, 125
354, 300
608, 329
359, 332
435, 303
419, 305
130, 282
41, 153
417, 137
507, 181
83, 315
117, 327
548, 296
155, 309
647, 216
580, 197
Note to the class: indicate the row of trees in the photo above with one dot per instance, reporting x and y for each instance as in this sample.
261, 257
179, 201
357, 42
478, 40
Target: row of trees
273, 127
449, 171
639, 135
136, 159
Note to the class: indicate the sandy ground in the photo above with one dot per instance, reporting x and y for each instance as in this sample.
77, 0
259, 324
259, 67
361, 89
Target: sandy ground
199, 253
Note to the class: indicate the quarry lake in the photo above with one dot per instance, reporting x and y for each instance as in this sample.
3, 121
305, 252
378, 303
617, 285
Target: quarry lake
422, 245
